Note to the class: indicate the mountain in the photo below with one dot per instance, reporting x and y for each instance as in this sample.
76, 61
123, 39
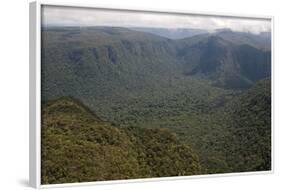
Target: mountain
77, 146
229, 59
171, 33
140, 71
99, 56
228, 64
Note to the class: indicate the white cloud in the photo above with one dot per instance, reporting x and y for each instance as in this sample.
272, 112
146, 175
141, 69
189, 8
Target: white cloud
70, 16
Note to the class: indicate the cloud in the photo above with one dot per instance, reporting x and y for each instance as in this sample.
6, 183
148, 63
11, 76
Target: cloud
73, 16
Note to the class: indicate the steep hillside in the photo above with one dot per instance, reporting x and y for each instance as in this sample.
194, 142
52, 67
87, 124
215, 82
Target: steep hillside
78, 147
104, 58
250, 122
228, 65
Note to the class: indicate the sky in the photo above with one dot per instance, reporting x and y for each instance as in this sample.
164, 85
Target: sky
73, 16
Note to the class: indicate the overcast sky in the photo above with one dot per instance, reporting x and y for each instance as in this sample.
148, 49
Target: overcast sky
69, 16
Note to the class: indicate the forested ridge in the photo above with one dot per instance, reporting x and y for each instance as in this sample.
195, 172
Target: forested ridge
77, 146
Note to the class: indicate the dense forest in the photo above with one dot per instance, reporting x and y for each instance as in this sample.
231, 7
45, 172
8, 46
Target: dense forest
124, 103
78, 146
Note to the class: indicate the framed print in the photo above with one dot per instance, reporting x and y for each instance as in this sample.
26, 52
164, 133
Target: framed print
121, 95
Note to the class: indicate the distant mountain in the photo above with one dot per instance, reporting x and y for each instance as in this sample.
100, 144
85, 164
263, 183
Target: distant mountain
228, 64
79, 147
171, 33
95, 64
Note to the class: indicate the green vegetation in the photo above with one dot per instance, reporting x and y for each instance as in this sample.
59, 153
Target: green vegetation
235, 137
250, 121
78, 147
148, 106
